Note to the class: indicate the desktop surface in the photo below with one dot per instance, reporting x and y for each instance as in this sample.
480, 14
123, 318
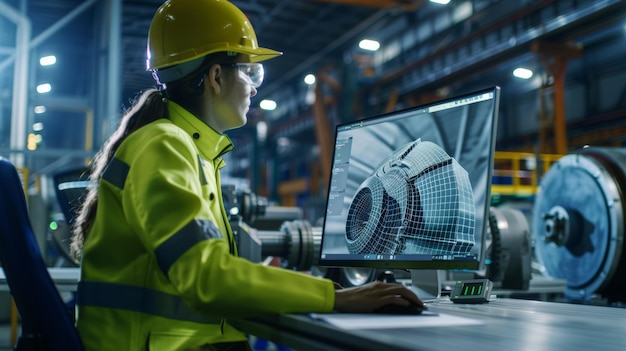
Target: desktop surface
504, 324
64, 278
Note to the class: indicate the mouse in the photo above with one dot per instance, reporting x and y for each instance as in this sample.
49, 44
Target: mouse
413, 308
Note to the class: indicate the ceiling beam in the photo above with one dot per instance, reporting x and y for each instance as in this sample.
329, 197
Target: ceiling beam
408, 5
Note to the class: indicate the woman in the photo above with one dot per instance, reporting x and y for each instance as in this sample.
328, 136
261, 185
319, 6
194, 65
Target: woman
159, 266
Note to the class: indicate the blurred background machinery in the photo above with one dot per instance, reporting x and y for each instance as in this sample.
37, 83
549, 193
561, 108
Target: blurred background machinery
264, 232
509, 249
579, 223
567, 240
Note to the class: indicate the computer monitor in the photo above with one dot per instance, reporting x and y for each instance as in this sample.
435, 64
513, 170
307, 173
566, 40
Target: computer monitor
411, 189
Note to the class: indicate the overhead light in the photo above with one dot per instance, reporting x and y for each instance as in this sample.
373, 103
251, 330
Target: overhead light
39, 109
261, 131
38, 127
268, 105
44, 88
523, 73
48, 60
443, 2
31, 143
369, 45
309, 79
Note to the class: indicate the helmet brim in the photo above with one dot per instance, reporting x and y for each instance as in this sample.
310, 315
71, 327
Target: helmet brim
256, 55
262, 54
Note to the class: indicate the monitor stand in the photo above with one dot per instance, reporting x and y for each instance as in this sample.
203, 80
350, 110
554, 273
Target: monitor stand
426, 283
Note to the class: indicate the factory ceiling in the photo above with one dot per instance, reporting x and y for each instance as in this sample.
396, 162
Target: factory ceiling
78, 32
310, 33
306, 31
303, 30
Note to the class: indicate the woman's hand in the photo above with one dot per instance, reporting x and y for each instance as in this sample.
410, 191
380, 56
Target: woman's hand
374, 295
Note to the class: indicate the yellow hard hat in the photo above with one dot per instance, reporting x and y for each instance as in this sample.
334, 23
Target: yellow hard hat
186, 30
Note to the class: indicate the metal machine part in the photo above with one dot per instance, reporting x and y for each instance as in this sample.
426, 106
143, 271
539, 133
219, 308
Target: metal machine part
578, 223
356, 276
263, 231
256, 211
275, 216
297, 243
509, 248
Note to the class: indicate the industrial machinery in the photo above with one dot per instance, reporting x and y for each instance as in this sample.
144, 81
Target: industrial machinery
509, 249
578, 223
577, 234
263, 231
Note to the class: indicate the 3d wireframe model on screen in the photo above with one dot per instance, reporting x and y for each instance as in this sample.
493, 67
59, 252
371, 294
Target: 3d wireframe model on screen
418, 201
410, 189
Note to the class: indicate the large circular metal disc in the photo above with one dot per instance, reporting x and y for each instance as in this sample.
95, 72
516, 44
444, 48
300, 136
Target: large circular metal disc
580, 186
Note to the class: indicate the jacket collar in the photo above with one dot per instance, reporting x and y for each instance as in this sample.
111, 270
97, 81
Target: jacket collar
209, 142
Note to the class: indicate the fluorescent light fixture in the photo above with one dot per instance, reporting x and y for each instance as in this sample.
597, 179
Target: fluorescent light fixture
268, 105
48, 60
443, 2
309, 79
261, 131
523, 73
44, 88
38, 127
369, 45
39, 109
462, 11
31, 144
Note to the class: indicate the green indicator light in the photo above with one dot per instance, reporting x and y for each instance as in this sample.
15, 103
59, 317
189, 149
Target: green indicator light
54, 225
473, 290
479, 289
465, 291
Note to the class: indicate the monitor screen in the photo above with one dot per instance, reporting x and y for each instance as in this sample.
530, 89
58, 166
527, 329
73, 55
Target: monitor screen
411, 189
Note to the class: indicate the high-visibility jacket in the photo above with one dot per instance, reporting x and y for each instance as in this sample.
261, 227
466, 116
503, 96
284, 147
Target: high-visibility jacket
159, 268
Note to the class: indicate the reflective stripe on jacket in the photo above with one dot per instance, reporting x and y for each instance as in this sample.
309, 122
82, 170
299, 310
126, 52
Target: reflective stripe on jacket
160, 269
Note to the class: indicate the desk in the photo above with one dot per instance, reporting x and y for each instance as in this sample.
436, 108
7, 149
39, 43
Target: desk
507, 324
65, 278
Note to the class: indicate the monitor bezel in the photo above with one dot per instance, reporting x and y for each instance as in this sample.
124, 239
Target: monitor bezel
469, 265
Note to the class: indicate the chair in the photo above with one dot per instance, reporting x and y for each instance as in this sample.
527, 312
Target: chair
70, 187
46, 322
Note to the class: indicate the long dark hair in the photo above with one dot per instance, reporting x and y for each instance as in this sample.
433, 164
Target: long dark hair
148, 107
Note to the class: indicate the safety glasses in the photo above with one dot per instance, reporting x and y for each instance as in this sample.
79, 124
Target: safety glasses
253, 71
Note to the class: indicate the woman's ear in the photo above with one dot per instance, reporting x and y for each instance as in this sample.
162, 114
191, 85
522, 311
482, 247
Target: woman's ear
214, 78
